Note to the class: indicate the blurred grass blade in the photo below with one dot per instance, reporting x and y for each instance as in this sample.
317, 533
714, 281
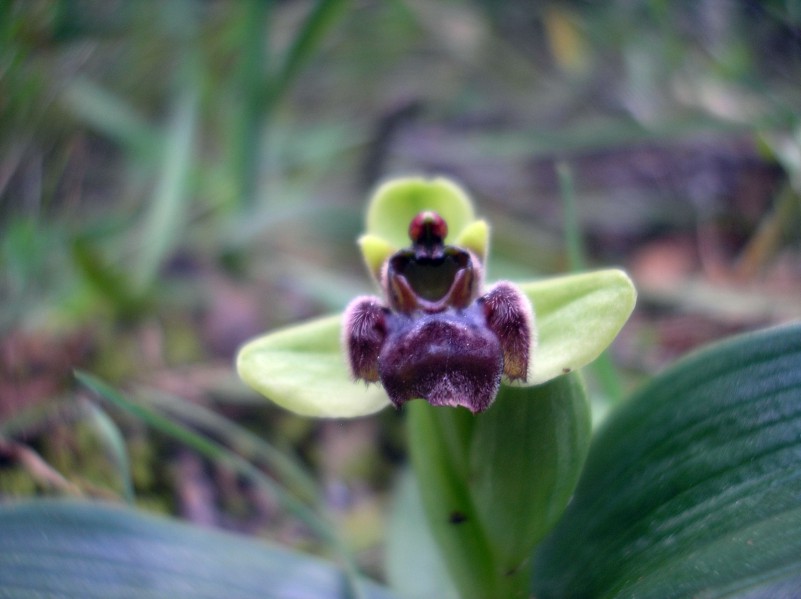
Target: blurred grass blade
691, 488
576, 254
250, 113
167, 212
204, 446
236, 463
109, 283
111, 116
74, 20
111, 437
42, 473
83, 550
247, 444
306, 42
603, 366
779, 224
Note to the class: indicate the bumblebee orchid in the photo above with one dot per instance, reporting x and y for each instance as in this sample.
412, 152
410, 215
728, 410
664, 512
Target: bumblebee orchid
436, 333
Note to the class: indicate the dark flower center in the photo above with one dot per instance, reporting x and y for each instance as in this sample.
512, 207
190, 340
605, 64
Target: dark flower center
430, 276
435, 338
451, 358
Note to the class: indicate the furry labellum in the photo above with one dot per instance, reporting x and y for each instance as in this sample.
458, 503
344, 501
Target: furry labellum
435, 336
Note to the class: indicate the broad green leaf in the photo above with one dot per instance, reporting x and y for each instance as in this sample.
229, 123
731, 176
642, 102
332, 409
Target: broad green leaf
82, 550
493, 485
303, 369
577, 317
692, 487
396, 203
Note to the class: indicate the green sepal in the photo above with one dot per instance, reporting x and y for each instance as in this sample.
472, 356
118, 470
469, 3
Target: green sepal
395, 203
577, 317
302, 368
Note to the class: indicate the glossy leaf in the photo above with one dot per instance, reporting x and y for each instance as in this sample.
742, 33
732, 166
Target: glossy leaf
303, 369
82, 550
692, 487
493, 485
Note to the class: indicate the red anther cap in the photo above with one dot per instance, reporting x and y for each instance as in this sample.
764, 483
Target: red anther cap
427, 226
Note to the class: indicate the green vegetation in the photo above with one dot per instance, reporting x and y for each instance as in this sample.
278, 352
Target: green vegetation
178, 177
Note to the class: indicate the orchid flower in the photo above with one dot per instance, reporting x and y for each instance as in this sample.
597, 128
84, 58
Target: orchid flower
436, 332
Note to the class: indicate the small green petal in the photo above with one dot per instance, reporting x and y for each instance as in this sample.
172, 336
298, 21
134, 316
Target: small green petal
375, 252
475, 237
577, 317
302, 368
395, 203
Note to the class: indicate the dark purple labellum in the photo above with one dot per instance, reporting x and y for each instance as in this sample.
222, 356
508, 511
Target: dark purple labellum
450, 358
437, 339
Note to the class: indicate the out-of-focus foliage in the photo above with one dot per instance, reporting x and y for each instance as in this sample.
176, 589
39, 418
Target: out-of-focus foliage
177, 176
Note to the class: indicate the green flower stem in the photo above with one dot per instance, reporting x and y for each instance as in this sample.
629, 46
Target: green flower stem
438, 440
493, 485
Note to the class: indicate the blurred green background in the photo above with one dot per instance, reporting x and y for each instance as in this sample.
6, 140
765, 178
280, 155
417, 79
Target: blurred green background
178, 176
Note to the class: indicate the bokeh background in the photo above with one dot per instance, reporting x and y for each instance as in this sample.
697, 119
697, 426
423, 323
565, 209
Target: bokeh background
178, 176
